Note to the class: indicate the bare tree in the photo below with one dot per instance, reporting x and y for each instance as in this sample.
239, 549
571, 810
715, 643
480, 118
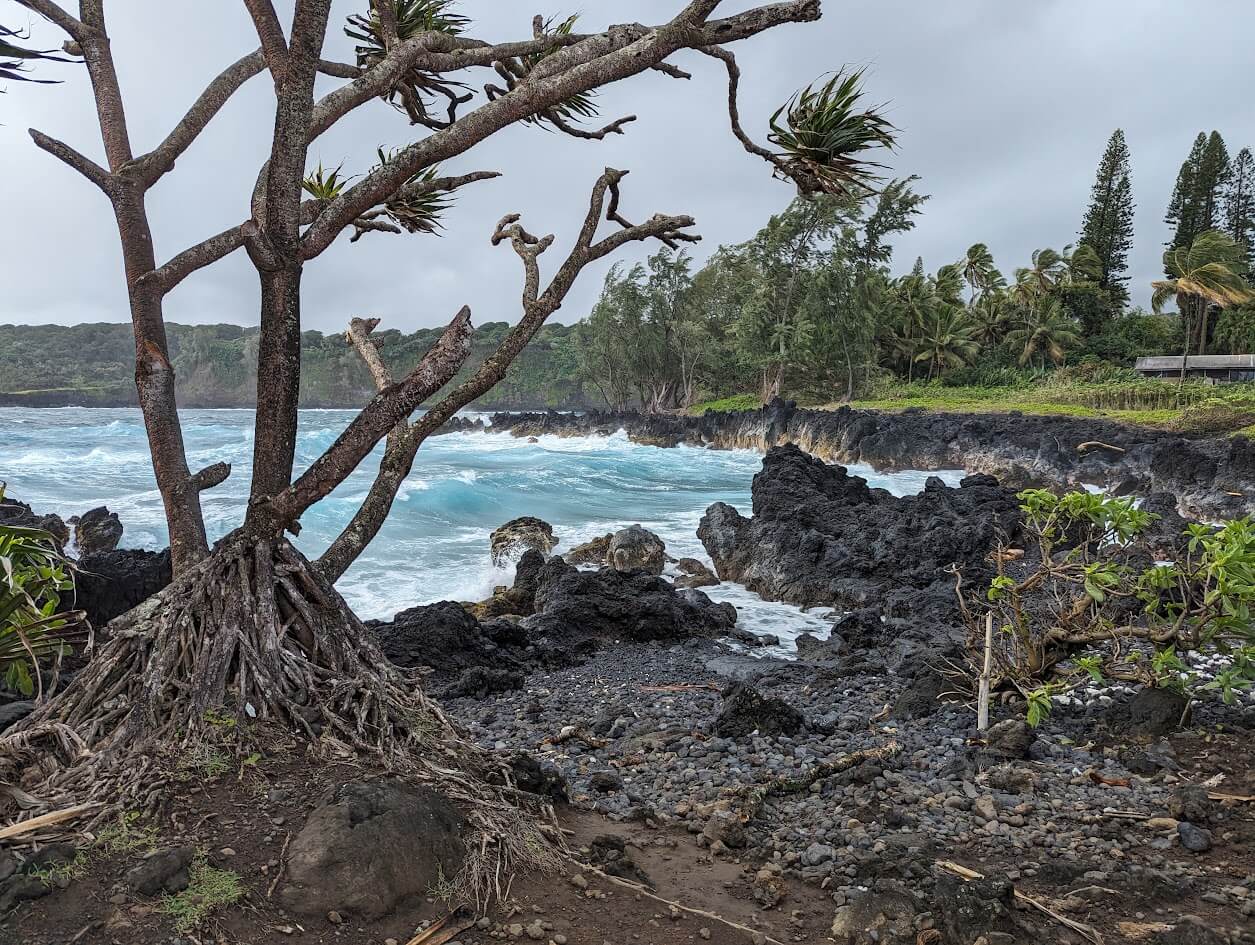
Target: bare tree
253, 628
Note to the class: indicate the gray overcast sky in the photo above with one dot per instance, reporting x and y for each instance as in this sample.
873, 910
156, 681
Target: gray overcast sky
1004, 107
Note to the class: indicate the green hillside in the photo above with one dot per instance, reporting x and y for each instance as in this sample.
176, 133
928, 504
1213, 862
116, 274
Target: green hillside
216, 366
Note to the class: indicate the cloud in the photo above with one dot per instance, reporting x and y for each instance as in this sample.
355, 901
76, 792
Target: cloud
1004, 108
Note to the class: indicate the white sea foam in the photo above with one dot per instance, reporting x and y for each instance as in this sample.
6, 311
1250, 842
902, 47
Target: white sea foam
434, 546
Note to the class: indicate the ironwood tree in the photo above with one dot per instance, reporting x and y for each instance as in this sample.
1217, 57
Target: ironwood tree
1108, 224
251, 627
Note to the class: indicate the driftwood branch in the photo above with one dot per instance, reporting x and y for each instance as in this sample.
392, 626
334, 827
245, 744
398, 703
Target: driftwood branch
80, 162
403, 445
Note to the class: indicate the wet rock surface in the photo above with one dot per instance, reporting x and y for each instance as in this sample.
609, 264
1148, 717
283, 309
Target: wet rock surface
819, 535
96, 531
518, 535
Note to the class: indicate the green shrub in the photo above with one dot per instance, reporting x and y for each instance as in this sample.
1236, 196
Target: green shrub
33, 626
1087, 584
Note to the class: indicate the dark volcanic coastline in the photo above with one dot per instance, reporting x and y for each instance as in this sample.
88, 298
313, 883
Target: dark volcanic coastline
1211, 477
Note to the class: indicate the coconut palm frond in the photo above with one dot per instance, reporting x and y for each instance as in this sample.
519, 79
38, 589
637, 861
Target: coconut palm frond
824, 132
1211, 268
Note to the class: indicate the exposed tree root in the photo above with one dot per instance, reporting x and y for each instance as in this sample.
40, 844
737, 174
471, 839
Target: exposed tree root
251, 638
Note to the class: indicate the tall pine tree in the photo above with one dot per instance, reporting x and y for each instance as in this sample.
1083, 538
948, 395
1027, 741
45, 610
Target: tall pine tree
1239, 202
1182, 215
1108, 224
1196, 200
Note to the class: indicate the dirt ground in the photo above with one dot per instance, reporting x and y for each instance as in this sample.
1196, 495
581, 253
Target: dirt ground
241, 819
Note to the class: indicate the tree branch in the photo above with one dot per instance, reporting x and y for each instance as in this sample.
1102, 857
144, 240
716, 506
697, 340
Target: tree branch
80, 162
358, 336
210, 476
273, 43
404, 442
595, 61
734, 115
53, 13
161, 159
389, 407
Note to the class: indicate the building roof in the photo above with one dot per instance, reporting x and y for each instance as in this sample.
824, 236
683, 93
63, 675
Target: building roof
1199, 362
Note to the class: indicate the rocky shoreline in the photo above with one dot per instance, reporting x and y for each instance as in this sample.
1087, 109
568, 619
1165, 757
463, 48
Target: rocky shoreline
1212, 477
855, 769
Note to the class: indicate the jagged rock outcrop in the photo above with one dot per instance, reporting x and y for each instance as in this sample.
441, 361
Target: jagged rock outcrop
109, 583
590, 552
636, 549
1212, 476
519, 535
819, 536
97, 530
19, 515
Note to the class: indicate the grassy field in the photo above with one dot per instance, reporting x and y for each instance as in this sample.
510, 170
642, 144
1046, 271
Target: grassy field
1194, 408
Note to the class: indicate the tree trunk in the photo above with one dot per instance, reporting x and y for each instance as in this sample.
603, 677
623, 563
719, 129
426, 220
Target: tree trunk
278, 382
154, 383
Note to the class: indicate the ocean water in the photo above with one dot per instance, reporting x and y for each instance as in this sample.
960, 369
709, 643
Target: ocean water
435, 543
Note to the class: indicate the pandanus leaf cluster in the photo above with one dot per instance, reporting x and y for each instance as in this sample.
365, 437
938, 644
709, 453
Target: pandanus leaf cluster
577, 107
324, 185
414, 93
15, 59
413, 208
824, 133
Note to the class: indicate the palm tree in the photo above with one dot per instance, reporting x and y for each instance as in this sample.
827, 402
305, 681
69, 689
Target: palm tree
1082, 265
990, 315
1046, 272
1044, 332
1208, 272
946, 340
979, 272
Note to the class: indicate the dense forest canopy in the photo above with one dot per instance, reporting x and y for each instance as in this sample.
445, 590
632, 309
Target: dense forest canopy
93, 365
808, 307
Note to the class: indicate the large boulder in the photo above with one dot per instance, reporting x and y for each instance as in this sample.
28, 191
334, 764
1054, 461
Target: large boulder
746, 711
371, 846
636, 549
576, 609
109, 583
96, 531
820, 536
518, 535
